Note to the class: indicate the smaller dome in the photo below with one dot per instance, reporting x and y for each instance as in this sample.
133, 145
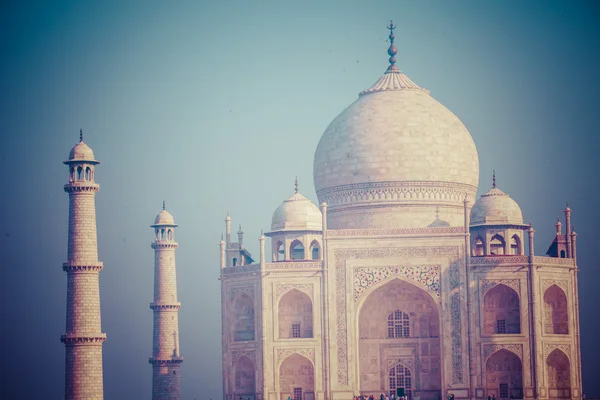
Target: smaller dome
81, 152
297, 214
164, 218
496, 208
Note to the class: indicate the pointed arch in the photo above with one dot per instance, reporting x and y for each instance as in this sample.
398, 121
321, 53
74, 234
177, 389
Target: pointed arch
559, 375
170, 234
297, 250
501, 311
88, 174
242, 314
504, 375
279, 254
400, 376
295, 315
315, 250
479, 247
79, 173
297, 378
244, 377
515, 245
497, 245
556, 311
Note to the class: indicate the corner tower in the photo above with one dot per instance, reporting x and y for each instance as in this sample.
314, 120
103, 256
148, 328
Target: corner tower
165, 358
84, 338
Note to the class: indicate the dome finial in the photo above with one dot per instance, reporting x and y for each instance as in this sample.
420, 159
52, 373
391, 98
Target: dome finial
164, 205
392, 51
494, 179
296, 185
80, 135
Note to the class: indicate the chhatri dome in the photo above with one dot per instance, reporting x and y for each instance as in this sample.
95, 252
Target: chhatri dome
81, 151
297, 213
164, 218
392, 154
496, 208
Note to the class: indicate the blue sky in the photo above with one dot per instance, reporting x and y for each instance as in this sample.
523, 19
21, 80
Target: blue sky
216, 106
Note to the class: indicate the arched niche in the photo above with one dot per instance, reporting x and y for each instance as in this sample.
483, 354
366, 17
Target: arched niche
243, 318
478, 247
295, 315
556, 314
504, 375
297, 250
515, 245
279, 254
315, 250
497, 245
501, 311
559, 375
244, 384
297, 378
398, 298
400, 376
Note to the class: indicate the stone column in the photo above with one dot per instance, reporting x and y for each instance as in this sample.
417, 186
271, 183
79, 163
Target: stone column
84, 337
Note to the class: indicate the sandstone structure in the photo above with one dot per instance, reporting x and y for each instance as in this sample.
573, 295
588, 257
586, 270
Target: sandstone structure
165, 359
402, 278
84, 338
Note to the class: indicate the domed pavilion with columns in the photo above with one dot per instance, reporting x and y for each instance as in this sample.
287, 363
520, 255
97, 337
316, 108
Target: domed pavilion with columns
401, 278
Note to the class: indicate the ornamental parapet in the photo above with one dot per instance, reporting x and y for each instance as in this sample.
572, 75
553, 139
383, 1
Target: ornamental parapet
241, 269
84, 186
553, 261
433, 231
74, 339
159, 306
296, 264
73, 266
165, 361
507, 260
164, 245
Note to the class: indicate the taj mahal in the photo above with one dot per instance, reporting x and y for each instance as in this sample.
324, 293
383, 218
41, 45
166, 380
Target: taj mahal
399, 278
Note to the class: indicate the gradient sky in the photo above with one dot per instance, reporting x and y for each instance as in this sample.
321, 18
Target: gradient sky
216, 106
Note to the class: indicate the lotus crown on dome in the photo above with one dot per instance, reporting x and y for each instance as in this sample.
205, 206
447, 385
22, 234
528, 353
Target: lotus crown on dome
297, 213
496, 208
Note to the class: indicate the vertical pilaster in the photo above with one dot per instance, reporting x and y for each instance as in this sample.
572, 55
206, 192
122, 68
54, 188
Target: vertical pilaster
165, 360
84, 337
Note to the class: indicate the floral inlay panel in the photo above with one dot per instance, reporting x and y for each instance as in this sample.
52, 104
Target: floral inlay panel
489, 349
487, 284
550, 347
282, 354
457, 367
303, 287
425, 276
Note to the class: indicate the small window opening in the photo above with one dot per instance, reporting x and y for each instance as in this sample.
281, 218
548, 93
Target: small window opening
501, 326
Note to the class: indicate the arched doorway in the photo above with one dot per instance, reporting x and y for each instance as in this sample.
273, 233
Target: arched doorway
556, 314
559, 375
501, 311
295, 315
504, 375
244, 387
297, 378
398, 324
243, 318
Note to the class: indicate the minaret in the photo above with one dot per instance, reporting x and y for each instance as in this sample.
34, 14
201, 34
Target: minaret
165, 342
83, 338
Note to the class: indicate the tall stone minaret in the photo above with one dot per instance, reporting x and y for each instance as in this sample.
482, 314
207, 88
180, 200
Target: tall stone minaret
165, 350
84, 338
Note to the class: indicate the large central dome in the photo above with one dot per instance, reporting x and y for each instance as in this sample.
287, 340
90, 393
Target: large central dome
393, 147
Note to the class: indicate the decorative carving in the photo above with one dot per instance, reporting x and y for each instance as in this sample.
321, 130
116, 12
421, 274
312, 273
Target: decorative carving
294, 265
427, 276
241, 269
487, 284
237, 354
392, 232
341, 256
457, 366
303, 287
489, 349
537, 260
550, 347
394, 360
507, 260
563, 284
454, 275
309, 353
248, 290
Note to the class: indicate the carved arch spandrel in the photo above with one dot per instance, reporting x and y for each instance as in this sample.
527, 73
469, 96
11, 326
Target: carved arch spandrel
283, 288
282, 354
490, 349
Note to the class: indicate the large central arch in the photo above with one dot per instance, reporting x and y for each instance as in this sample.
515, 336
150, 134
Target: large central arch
399, 323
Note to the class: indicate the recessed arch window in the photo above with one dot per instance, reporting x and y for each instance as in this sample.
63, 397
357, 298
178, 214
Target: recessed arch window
478, 248
515, 245
400, 377
497, 245
398, 324
315, 250
279, 251
297, 250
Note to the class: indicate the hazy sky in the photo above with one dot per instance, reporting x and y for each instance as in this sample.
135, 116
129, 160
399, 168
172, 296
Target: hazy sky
216, 106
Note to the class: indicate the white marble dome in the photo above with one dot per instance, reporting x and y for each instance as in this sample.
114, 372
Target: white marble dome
81, 152
496, 208
164, 218
297, 213
395, 144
